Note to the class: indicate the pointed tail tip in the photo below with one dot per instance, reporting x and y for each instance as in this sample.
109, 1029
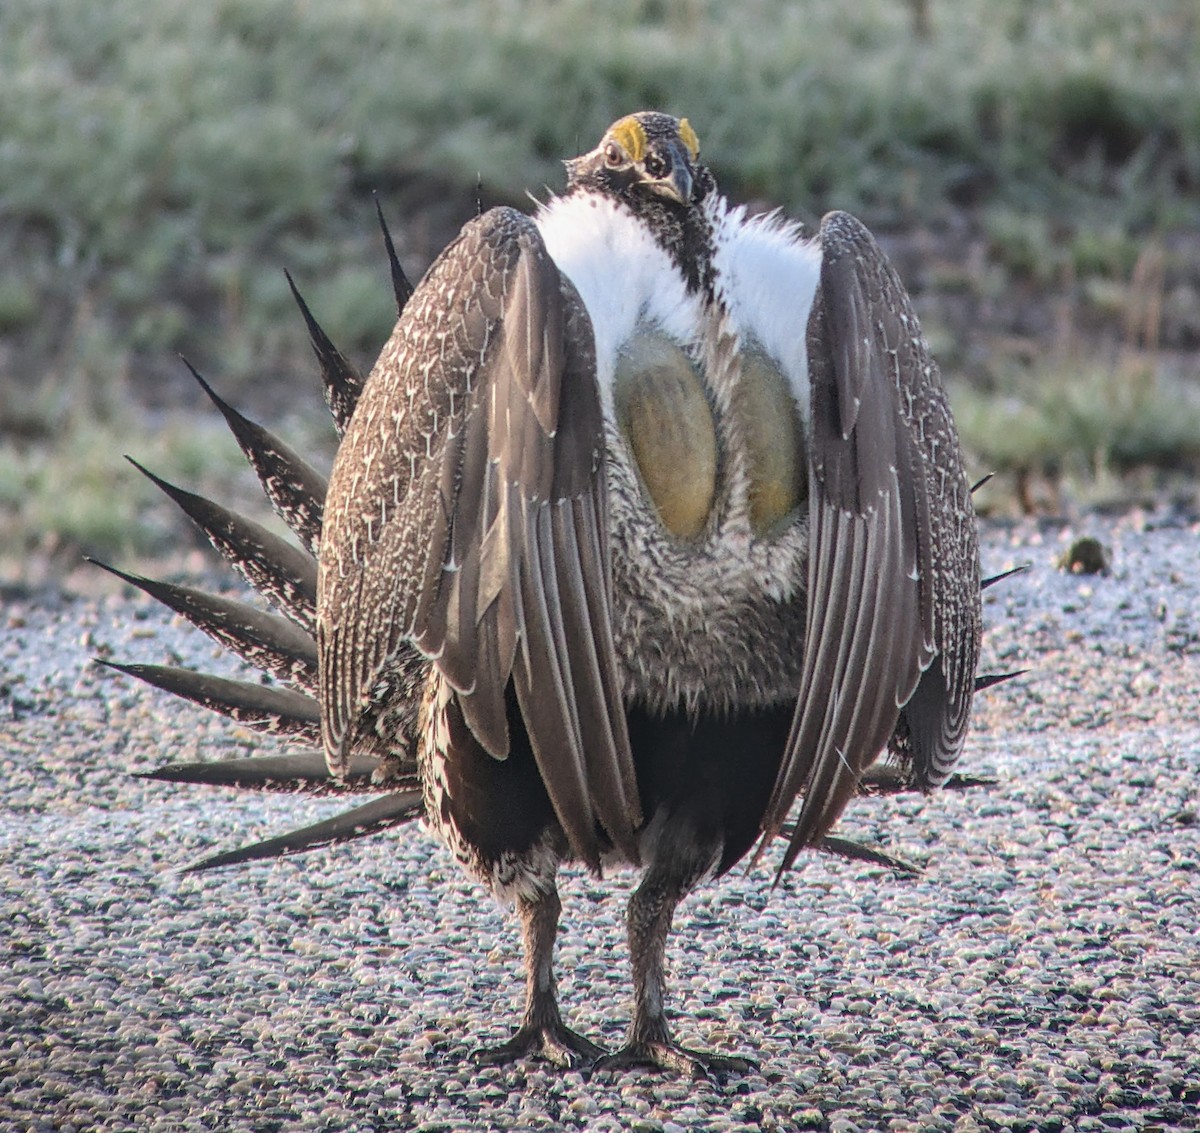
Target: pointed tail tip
218, 861
108, 568
990, 680
204, 385
314, 329
991, 580
126, 669
116, 572
154, 479
980, 482
401, 287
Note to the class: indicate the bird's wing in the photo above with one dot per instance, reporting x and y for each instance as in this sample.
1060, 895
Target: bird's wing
467, 514
892, 606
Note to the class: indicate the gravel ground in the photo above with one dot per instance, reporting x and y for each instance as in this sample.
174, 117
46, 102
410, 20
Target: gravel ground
1041, 975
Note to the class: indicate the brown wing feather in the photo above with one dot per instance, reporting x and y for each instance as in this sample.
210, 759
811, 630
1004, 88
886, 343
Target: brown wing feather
467, 514
893, 573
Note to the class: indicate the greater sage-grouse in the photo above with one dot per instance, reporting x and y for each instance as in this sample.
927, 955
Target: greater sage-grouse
649, 521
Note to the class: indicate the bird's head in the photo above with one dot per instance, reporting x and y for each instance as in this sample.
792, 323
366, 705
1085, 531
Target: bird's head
645, 158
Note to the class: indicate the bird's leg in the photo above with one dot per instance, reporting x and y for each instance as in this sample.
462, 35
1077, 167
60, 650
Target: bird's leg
651, 910
542, 1030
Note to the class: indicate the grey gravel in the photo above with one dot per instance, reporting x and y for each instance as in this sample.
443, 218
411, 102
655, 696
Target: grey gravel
1042, 975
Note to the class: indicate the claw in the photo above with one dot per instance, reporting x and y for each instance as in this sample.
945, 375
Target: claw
662, 1054
553, 1041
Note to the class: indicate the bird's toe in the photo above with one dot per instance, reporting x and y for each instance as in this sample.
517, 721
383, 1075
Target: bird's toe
666, 1055
556, 1043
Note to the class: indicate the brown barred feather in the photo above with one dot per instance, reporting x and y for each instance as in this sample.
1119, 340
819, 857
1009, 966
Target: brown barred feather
283, 574
507, 637
265, 641
273, 711
296, 489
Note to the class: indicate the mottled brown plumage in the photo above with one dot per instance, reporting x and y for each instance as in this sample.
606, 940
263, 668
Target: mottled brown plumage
578, 643
490, 554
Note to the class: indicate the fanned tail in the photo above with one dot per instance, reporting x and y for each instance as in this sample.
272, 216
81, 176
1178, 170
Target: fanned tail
281, 645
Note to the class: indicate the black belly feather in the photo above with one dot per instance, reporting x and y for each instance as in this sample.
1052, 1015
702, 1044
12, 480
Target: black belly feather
499, 807
711, 774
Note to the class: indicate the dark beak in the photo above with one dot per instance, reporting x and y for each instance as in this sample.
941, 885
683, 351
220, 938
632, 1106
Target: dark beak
677, 183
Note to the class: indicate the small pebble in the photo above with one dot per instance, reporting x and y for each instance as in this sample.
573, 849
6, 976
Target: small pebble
1037, 976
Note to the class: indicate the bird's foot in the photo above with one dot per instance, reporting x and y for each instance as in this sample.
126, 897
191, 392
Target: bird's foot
663, 1054
553, 1041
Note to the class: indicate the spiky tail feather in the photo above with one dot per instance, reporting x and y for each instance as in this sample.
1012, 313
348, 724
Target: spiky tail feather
283, 647
280, 571
296, 489
293, 771
361, 822
266, 641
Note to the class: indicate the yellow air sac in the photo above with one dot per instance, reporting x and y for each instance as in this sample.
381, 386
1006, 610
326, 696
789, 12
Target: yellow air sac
668, 424
774, 441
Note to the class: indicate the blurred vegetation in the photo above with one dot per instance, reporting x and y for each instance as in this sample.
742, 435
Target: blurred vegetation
162, 161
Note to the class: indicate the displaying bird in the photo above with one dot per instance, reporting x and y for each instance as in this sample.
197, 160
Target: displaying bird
649, 523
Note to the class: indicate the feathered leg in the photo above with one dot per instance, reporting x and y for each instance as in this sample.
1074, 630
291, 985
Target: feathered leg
542, 1029
651, 911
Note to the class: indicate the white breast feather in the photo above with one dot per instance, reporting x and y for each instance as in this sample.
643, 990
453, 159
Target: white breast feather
767, 275
625, 279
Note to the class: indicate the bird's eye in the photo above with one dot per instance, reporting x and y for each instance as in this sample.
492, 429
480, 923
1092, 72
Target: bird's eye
657, 165
613, 154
